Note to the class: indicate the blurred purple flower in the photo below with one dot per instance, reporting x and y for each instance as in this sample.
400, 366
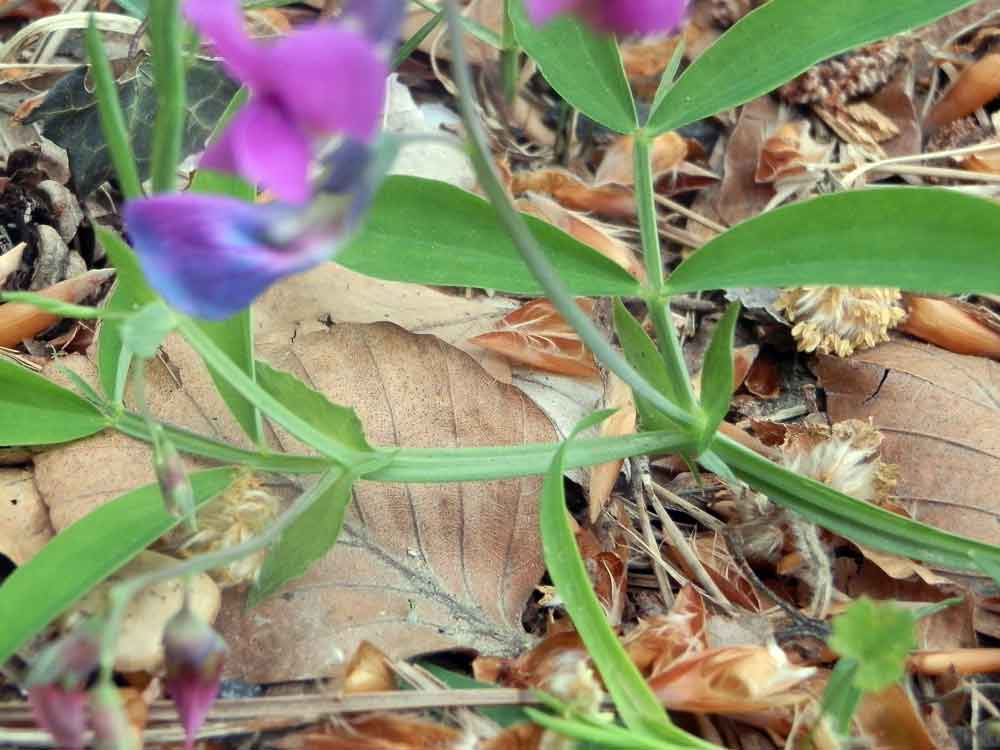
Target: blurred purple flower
194, 656
57, 685
329, 78
210, 256
617, 16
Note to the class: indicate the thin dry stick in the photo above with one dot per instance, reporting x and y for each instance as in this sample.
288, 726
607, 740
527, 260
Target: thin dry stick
640, 466
878, 166
704, 518
680, 543
693, 215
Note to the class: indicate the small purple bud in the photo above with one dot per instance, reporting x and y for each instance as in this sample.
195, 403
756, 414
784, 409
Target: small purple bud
175, 486
112, 728
381, 20
57, 684
194, 657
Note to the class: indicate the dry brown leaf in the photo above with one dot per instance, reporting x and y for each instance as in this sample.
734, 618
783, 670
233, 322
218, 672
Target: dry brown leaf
965, 661
938, 412
618, 167
537, 336
623, 422
741, 196
419, 567
890, 720
613, 201
24, 519
20, 321
645, 59
657, 642
518, 737
764, 378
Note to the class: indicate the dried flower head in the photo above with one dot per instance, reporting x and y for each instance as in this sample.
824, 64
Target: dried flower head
615, 16
242, 512
838, 320
845, 456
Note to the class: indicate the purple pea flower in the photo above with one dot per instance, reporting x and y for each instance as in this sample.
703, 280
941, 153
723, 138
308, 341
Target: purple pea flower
615, 16
57, 685
194, 656
329, 78
210, 256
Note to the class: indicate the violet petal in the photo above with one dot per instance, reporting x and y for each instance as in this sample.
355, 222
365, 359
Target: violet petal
210, 256
265, 147
60, 713
222, 22
542, 11
330, 78
641, 16
380, 20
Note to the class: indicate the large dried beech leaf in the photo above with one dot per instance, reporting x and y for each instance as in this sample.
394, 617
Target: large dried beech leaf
419, 567
940, 414
24, 519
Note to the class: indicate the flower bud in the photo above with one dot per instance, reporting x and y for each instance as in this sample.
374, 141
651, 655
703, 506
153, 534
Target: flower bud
57, 685
112, 728
194, 658
178, 495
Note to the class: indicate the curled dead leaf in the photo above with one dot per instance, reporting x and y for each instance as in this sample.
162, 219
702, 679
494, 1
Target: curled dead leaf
963, 661
368, 671
618, 167
20, 321
537, 336
974, 87
952, 324
613, 201
618, 396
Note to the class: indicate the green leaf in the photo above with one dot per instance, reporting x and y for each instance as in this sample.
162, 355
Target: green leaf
69, 116
339, 423
334, 442
143, 333
641, 353
38, 412
233, 336
86, 553
309, 537
166, 31
638, 707
841, 696
505, 716
131, 292
428, 232
920, 239
856, 520
743, 63
878, 636
585, 68
717, 372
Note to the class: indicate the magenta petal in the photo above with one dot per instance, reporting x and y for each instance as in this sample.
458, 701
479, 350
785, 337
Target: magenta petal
640, 16
222, 22
330, 78
210, 256
268, 149
60, 713
541, 11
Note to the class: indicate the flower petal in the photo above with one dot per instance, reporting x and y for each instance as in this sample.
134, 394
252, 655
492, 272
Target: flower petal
210, 256
380, 20
60, 713
263, 146
222, 22
640, 16
542, 11
330, 79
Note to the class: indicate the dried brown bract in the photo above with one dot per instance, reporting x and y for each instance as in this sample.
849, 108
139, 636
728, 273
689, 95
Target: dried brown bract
848, 76
838, 320
727, 12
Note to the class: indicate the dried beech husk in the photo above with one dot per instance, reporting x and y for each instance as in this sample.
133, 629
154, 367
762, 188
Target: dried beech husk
368, 671
838, 320
241, 513
20, 321
975, 86
618, 165
952, 325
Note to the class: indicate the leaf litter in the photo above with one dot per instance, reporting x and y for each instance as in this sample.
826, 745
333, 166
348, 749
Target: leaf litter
436, 574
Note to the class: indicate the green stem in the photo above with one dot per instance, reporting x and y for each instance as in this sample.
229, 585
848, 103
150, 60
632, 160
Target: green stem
659, 309
510, 56
531, 253
423, 465
112, 119
171, 92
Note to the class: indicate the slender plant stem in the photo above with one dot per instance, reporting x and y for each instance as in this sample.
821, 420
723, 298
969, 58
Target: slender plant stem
171, 92
531, 253
112, 119
659, 308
